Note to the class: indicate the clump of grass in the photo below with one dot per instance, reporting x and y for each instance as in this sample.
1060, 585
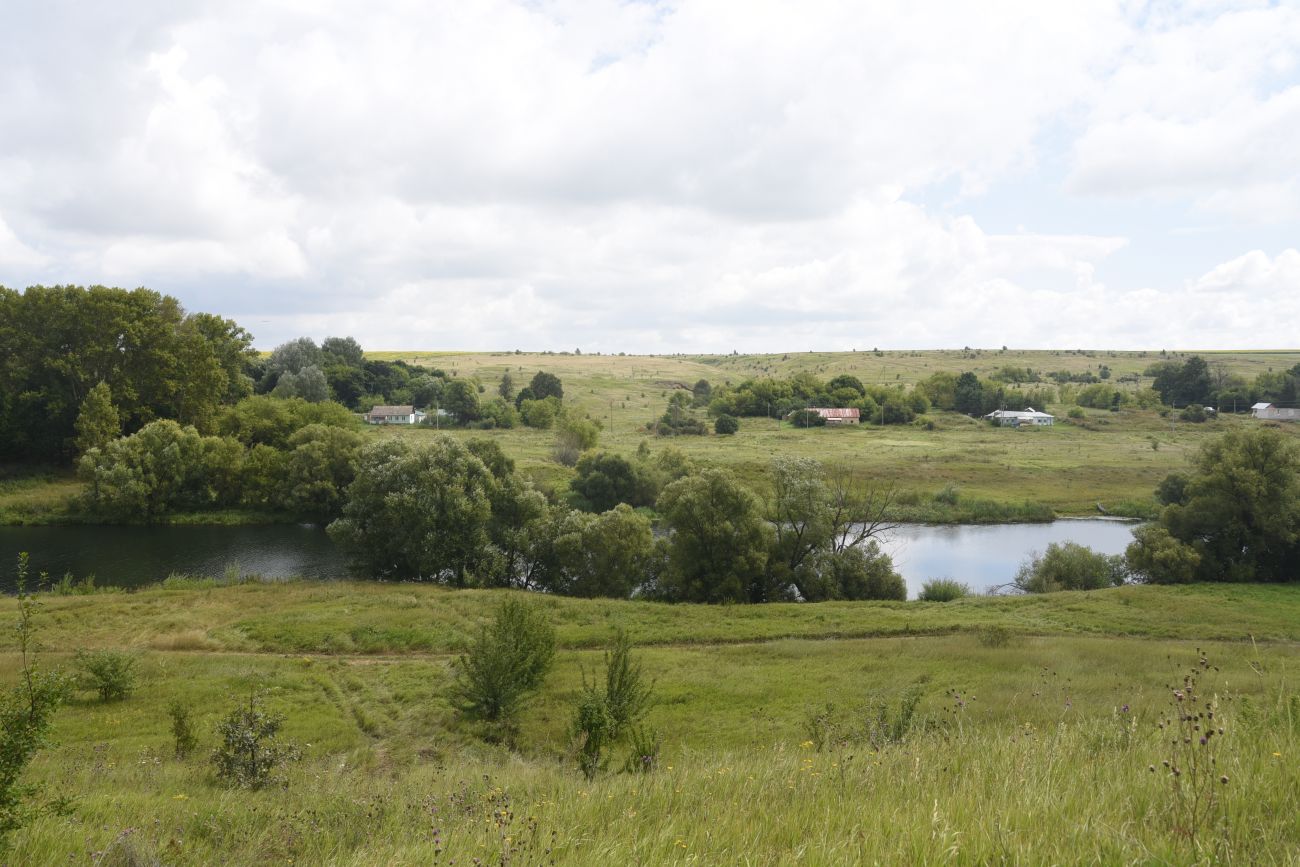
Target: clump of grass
943, 590
995, 635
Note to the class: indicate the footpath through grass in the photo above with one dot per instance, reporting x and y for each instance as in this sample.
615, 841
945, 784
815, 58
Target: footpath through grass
1033, 741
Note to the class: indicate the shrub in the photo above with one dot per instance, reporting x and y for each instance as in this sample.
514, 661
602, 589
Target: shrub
1076, 412
250, 750
643, 756
1069, 566
110, 673
995, 635
725, 425
1193, 412
592, 729
603, 717
26, 711
943, 590
807, 418
182, 729
506, 662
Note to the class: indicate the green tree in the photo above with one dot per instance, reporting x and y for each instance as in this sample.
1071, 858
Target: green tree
318, 467
266, 420
544, 385
98, 423
309, 384
610, 554
968, 394
725, 425
603, 480
719, 541
460, 398
1155, 556
291, 357
419, 511
505, 663
506, 389
1241, 514
1069, 566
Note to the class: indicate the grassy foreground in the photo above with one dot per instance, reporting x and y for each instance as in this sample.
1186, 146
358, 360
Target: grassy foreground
1033, 742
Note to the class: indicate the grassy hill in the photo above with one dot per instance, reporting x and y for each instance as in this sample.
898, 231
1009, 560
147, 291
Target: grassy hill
1032, 742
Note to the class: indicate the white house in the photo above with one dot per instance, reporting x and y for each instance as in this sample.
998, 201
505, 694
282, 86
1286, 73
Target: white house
1274, 413
1015, 418
395, 415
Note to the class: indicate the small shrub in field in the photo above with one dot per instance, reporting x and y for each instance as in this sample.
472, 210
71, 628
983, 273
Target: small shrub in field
182, 729
592, 730
643, 757
1076, 412
505, 663
995, 635
726, 425
250, 751
26, 712
604, 717
886, 725
949, 496
943, 590
1070, 566
110, 673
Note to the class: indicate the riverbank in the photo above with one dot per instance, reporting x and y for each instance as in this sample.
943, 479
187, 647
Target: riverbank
1032, 742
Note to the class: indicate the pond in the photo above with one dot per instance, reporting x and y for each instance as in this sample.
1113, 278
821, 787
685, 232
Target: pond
987, 555
982, 556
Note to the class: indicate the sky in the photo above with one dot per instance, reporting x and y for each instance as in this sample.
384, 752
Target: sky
662, 177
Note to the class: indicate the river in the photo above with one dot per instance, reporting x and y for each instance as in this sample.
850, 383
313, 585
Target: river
982, 556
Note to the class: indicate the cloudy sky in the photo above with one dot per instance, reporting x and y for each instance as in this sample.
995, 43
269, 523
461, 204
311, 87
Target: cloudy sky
658, 177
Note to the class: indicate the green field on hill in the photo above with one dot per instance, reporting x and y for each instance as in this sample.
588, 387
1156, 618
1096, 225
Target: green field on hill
1034, 741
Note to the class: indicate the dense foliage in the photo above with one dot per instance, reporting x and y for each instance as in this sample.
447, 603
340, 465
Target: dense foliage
58, 343
1236, 517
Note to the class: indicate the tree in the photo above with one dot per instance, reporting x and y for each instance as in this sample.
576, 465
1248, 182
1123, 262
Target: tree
863, 572
345, 350
603, 480
968, 394
271, 421
702, 393
507, 660
318, 467
507, 387
291, 357
725, 425
98, 423
309, 384
1155, 556
460, 398
846, 380
544, 385
610, 554
420, 511
719, 542
1069, 566
1240, 512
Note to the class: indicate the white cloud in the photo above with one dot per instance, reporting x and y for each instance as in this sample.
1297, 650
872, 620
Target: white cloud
638, 176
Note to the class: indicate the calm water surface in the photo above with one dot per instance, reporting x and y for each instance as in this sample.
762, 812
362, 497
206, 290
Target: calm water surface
981, 556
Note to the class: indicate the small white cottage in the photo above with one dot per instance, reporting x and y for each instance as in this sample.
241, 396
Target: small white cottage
1273, 412
1017, 418
395, 415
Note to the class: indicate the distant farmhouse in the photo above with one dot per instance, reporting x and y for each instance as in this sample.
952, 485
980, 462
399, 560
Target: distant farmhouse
395, 415
1273, 412
1029, 417
837, 416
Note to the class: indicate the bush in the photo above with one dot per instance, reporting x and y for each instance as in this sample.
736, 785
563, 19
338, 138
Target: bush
591, 730
1076, 412
110, 673
250, 751
1193, 412
506, 662
1069, 566
943, 590
725, 425
26, 711
603, 717
182, 729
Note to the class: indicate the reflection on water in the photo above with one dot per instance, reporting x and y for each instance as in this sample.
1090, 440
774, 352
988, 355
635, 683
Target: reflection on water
986, 556
134, 556
981, 556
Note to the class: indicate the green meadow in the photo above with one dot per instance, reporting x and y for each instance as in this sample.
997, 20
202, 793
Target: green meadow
1033, 742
